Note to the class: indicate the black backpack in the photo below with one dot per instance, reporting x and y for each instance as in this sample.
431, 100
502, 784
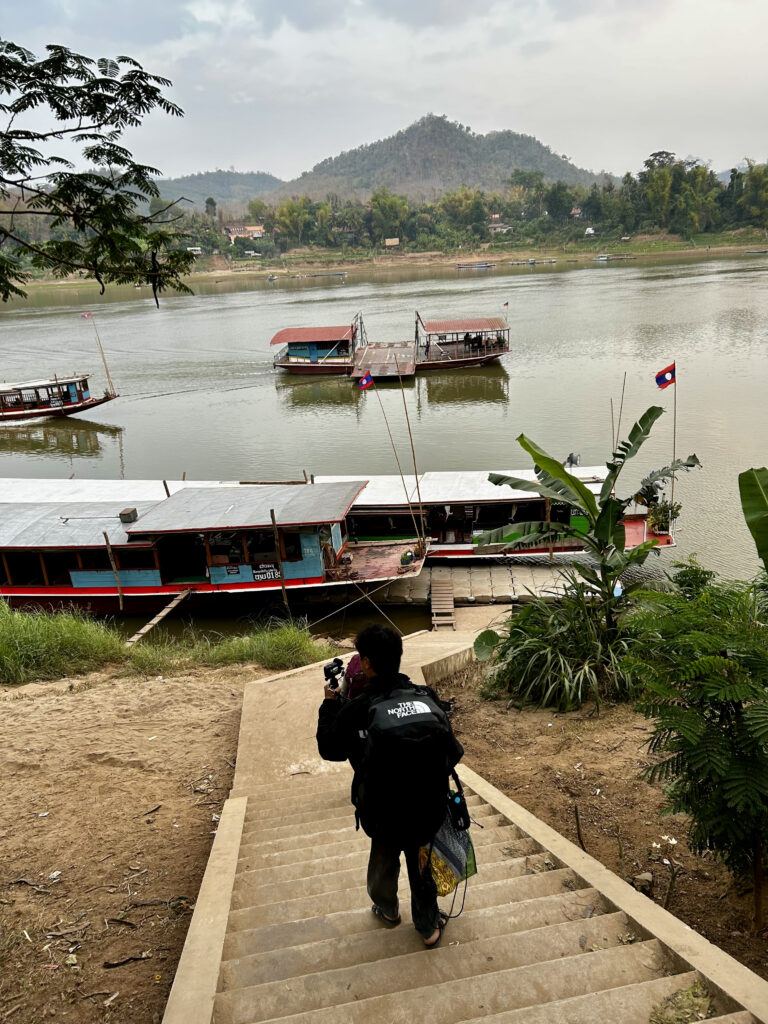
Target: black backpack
402, 781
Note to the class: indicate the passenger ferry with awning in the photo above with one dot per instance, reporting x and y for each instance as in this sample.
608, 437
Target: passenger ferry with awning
55, 396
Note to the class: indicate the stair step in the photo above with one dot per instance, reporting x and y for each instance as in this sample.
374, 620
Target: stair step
285, 851
303, 831
738, 1017
517, 987
479, 894
330, 987
629, 1004
288, 814
359, 859
289, 788
251, 890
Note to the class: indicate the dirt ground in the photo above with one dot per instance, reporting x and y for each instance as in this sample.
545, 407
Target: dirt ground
111, 793
551, 763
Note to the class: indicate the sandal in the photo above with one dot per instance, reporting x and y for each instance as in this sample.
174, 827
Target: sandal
388, 922
441, 926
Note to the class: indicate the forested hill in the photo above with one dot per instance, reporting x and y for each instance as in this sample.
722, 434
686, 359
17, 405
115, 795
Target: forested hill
431, 157
224, 186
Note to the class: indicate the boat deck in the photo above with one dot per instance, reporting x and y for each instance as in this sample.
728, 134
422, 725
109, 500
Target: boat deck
393, 359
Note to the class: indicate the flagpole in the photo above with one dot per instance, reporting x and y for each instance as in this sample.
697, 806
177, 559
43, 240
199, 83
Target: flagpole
674, 439
621, 407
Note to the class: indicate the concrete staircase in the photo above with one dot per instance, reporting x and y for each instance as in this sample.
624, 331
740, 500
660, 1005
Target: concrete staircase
535, 942
283, 931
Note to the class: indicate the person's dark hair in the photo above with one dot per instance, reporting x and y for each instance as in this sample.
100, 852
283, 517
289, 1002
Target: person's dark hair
383, 648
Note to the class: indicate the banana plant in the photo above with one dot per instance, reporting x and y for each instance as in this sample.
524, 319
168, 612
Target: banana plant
753, 490
605, 535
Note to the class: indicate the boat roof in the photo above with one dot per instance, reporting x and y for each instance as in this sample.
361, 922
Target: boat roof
454, 487
79, 524
494, 323
122, 492
295, 335
247, 507
4, 388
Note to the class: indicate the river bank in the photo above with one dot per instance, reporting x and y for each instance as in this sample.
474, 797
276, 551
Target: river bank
307, 262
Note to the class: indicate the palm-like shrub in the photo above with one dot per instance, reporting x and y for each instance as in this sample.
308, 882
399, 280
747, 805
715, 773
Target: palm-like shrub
556, 654
704, 668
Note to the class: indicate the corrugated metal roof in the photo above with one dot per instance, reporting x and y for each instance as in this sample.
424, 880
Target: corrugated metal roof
456, 487
494, 323
122, 492
248, 507
296, 335
50, 382
76, 524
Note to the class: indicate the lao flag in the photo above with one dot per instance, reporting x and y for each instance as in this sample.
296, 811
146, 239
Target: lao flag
666, 376
365, 382
86, 316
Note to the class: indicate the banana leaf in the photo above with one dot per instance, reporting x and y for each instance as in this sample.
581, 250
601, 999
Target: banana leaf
625, 450
753, 489
536, 487
557, 472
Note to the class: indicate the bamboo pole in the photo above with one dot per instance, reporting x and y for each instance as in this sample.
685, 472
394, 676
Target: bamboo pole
7, 570
111, 554
621, 407
103, 358
397, 460
422, 532
674, 442
279, 559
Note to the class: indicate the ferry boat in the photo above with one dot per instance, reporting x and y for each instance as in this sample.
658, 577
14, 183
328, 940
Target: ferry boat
139, 543
436, 345
320, 350
57, 396
466, 517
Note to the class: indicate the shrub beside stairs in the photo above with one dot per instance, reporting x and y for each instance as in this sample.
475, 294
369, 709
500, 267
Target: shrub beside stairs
283, 931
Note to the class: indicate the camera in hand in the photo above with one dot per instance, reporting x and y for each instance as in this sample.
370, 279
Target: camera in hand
332, 673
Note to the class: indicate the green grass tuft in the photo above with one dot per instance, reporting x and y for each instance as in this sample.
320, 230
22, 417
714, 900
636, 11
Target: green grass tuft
48, 645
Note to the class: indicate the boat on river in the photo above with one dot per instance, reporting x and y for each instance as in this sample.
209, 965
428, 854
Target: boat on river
97, 542
436, 345
55, 396
320, 350
466, 517
137, 543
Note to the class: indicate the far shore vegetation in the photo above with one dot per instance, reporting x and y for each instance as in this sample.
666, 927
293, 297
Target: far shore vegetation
40, 645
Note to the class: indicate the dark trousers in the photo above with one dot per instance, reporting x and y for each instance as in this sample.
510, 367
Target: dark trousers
383, 873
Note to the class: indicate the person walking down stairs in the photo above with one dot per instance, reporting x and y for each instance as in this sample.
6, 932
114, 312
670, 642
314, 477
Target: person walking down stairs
400, 745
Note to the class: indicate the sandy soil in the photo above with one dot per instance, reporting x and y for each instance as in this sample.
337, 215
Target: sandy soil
551, 763
112, 787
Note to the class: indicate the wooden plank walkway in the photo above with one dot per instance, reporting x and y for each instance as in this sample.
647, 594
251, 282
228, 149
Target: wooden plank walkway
441, 595
386, 360
173, 603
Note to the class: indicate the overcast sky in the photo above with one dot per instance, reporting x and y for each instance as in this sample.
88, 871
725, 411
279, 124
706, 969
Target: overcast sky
278, 85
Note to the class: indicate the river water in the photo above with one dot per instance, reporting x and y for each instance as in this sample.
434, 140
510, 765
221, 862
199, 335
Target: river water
199, 395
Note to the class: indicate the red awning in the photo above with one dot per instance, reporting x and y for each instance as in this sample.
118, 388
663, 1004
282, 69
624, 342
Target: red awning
495, 323
295, 335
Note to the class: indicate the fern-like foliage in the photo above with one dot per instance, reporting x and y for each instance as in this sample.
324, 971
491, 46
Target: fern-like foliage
703, 663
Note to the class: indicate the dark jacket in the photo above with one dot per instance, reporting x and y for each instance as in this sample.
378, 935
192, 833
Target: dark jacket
341, 723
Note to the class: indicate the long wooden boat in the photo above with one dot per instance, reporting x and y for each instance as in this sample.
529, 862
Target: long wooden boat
56, 396
467, 517
101, 542
319, 350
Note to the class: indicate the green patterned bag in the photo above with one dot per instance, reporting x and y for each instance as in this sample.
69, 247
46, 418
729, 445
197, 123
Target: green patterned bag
451, 857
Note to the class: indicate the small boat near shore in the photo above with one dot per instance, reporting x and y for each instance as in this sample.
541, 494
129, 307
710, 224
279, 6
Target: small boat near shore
55, 396
475, 266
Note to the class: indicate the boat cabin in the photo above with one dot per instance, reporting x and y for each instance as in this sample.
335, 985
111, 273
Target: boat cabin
466, 516
319, 349
466, 342
209, 539
57, 396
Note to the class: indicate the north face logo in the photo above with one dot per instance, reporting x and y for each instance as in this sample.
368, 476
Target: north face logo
410, 707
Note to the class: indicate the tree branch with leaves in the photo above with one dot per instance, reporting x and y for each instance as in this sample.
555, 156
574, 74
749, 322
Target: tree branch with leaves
90, 104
